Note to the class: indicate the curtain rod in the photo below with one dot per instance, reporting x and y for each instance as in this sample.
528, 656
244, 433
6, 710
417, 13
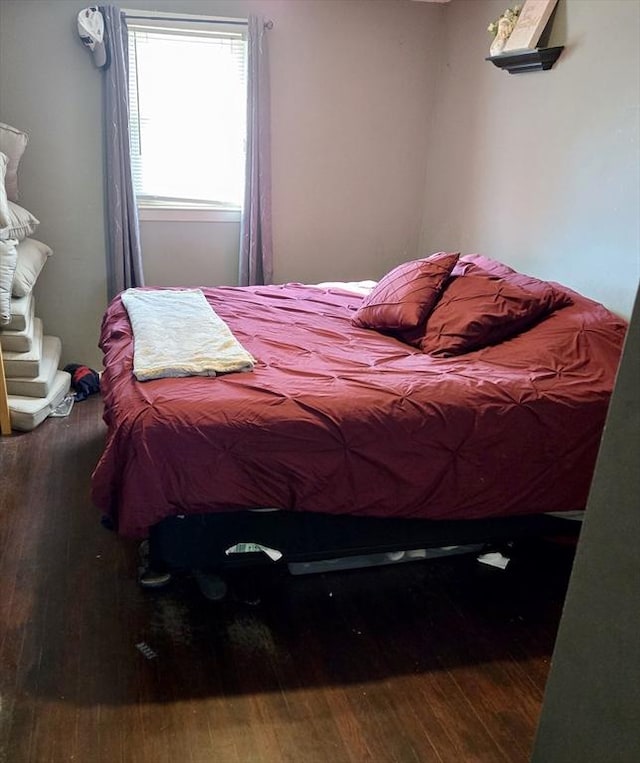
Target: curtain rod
192, 19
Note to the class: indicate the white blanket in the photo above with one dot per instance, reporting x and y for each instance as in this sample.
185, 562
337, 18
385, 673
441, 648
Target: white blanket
358, 287
177, 333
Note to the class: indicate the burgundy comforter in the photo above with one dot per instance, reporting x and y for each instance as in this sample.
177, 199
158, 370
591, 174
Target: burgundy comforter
340, 419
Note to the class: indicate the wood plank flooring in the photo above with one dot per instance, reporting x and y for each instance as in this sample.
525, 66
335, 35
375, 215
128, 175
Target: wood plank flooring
443, 660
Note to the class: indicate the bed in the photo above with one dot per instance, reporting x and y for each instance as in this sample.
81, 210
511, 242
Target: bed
347, 440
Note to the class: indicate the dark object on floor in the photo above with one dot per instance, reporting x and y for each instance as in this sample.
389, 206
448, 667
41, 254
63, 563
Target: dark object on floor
84, 380
107, 523
211, 586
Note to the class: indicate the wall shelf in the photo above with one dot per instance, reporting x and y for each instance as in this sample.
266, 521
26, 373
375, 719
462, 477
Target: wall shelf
518, 61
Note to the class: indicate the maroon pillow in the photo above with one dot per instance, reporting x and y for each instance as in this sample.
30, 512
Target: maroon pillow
553, 294
406, 295
478, 309
493, 267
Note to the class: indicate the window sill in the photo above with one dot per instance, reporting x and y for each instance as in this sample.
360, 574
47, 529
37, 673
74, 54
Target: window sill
176, 215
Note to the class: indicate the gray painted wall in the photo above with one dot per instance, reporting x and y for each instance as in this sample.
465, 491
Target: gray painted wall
48, 90
542, 170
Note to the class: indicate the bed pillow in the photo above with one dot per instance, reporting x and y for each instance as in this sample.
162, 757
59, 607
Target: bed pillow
32, 256
12, 143
489, 265
552, 293
8, 258
406, 295
478, 309
21, 222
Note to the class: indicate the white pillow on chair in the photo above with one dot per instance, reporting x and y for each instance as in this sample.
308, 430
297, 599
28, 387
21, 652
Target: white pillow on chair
15, 221
12, 143
32, 256
21, 222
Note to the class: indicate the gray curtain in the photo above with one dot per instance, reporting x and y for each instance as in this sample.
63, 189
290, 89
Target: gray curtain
256, 251
124, 256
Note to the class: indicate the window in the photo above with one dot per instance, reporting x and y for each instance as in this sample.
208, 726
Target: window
187, 94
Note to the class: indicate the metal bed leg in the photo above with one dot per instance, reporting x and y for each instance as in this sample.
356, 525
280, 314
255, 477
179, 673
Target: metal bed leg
152, 573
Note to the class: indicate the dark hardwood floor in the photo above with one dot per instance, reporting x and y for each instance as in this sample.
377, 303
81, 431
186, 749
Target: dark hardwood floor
443, 660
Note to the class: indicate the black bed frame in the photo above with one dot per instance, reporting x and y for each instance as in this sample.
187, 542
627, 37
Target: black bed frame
199, 541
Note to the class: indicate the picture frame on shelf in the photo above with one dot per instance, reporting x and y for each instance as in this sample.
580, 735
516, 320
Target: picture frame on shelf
532, 20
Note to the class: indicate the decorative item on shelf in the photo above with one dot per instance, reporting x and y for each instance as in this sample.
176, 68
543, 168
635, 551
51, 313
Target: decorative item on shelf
530, 25
502, 28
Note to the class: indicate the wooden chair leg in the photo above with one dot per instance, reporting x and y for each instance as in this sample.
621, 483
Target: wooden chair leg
5, 416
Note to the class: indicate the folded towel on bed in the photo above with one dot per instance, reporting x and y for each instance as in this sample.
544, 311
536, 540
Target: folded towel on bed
177, 333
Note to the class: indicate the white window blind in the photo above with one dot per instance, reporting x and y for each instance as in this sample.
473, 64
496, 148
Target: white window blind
187, 96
